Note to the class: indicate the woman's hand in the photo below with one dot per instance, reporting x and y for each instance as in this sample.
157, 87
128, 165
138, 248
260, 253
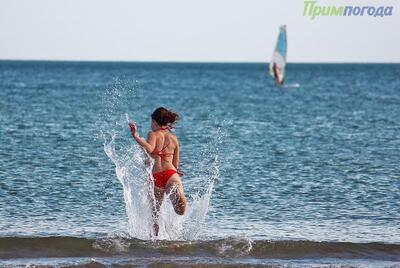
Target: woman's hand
133, 128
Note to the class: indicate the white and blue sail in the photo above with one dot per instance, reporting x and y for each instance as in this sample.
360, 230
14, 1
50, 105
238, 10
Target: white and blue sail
278, 62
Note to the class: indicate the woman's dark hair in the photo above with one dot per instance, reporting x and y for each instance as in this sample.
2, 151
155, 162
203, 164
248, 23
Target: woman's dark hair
164, 117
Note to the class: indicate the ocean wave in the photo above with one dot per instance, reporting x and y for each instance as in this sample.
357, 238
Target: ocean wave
45, 247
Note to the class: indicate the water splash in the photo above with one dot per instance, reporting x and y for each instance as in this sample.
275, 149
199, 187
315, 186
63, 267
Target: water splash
133, 174
293, 85
133, 170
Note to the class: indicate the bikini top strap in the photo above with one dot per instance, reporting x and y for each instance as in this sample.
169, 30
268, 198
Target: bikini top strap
164, 147
164, 128
160, 152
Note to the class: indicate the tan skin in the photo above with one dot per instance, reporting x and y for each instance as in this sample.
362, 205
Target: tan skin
156, 140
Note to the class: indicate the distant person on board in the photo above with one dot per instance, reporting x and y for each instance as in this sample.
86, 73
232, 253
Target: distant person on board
163, 147
276, 75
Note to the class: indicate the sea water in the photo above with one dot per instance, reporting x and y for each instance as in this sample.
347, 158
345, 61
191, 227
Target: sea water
301, 175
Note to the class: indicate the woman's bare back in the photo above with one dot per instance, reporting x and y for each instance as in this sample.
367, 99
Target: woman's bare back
164, 151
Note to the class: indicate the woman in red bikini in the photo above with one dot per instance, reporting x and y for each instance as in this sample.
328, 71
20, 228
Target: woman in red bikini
163, 146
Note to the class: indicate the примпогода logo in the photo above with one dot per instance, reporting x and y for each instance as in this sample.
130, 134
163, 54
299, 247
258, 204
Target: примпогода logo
313, 10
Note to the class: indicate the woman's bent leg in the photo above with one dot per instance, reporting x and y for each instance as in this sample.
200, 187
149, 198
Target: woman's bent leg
175, 190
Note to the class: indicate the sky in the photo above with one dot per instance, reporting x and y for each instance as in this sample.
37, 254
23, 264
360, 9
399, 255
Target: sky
192, 30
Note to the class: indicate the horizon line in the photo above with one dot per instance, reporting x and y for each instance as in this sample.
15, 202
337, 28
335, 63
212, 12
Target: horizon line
195, 62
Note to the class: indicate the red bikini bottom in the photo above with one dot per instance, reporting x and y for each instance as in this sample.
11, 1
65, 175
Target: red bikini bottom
161, 178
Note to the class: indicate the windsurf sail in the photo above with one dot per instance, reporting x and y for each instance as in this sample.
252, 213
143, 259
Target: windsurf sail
278, 62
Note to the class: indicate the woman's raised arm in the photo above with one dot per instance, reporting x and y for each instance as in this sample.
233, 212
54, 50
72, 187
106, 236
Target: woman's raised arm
148, 144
